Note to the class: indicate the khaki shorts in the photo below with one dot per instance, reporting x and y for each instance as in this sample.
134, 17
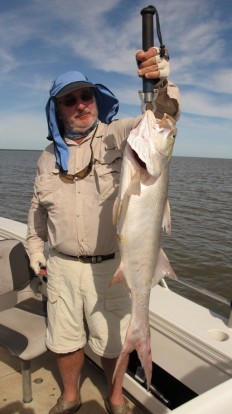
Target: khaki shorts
82, 306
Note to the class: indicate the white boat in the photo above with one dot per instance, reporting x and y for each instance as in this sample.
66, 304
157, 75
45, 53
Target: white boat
191, 351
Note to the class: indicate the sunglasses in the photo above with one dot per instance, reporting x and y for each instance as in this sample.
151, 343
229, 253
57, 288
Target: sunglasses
87, 170
80, 174
71, 100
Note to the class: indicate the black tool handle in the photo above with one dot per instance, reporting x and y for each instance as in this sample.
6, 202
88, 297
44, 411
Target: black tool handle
148, 41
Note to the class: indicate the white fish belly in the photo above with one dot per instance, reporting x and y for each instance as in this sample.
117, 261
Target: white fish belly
139, 238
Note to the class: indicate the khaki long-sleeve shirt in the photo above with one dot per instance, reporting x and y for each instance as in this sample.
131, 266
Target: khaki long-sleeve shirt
75, 216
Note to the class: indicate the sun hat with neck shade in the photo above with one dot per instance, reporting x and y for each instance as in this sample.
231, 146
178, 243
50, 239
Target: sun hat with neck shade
107, 105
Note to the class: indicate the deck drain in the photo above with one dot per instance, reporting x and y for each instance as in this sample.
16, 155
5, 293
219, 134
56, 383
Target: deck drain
218, 335
38, 380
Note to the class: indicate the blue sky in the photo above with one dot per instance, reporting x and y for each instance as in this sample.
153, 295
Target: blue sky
40, 39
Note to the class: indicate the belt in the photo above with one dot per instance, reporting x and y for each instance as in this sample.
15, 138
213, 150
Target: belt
95, 259
92, 259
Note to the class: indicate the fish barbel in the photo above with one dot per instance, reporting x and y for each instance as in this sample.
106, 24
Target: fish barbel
140, 211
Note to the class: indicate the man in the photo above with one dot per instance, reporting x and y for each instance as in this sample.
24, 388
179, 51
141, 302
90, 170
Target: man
75, 188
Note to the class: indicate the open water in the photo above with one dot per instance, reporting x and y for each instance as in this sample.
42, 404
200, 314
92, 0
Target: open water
200, 194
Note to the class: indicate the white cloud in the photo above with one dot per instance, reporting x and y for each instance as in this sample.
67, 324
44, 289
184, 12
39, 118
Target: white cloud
41, 38
205, 105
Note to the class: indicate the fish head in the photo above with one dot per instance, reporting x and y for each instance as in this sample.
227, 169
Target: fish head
152, 143
166, 132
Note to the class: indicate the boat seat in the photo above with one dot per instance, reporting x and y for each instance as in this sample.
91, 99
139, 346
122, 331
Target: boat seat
22, 310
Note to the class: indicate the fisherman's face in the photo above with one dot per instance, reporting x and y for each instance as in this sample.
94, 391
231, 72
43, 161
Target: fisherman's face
78, 110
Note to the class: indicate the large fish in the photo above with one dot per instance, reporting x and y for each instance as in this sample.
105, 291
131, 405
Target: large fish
140, 211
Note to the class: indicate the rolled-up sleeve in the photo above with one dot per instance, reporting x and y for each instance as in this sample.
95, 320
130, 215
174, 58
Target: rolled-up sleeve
37, 233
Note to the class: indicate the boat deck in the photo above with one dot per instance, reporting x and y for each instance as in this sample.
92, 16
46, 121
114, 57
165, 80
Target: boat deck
46, 386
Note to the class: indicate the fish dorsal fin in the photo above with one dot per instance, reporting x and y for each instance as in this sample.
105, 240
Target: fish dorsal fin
163, 268
166, 223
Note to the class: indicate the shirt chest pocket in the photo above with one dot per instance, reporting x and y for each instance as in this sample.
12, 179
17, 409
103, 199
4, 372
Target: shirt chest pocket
47, 189
107, 170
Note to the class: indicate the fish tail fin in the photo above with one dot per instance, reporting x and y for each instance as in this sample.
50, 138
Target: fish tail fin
123, 354
143, 347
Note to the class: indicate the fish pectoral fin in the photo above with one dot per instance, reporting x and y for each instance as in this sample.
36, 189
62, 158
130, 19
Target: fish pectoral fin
120, 209
131, 186
166, 223
135, 185
163, 268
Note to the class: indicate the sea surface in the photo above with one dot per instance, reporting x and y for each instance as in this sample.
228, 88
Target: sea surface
200, 194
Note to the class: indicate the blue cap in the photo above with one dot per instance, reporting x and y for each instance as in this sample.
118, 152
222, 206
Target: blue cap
107, 105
